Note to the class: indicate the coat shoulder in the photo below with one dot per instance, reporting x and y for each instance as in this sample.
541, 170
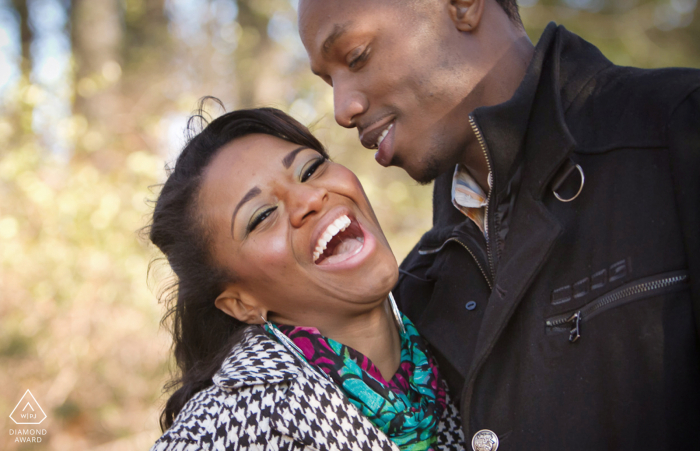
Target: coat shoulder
233, 413
221, 418
624, 107
257, 359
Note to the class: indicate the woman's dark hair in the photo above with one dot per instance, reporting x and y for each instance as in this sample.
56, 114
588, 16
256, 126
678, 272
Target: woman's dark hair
202, 334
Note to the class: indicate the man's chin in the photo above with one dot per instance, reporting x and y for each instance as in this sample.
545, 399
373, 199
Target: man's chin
423, 174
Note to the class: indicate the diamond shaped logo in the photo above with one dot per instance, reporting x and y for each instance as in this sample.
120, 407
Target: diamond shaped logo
28, 411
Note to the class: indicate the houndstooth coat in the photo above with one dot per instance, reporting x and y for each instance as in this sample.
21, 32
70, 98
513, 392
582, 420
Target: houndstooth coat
264, 398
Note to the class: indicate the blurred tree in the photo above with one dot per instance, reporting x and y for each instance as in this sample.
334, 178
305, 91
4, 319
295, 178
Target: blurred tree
22, 111
147, 61
97, 34
254, 52
25, 37
651, 33
146, 32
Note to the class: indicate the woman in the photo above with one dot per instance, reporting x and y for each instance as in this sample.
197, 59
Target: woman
283, 328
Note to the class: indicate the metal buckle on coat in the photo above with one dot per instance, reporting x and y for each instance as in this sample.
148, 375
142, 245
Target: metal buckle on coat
562, 175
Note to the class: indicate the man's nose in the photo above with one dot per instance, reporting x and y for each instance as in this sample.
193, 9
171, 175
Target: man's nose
304, 201
348, 103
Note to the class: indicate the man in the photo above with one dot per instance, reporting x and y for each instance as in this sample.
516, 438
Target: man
558, 281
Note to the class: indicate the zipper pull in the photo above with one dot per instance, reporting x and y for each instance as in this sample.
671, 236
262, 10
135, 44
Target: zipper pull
575, 333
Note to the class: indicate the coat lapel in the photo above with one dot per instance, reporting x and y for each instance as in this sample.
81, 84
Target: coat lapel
547, 145
519, 266
317, 414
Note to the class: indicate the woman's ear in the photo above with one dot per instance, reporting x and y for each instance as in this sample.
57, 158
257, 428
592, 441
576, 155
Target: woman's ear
466, 14
240, 306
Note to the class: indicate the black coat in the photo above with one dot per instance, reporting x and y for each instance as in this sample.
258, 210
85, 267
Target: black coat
573, 328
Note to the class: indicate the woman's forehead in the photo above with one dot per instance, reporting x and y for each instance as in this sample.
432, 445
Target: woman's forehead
247, 160
256, 149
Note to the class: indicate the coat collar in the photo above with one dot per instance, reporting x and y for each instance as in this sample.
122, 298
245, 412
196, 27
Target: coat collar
562, 66
257, 359
313, 410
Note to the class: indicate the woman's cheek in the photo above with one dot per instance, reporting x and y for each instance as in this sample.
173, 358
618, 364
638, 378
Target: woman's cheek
347, 182
273, 252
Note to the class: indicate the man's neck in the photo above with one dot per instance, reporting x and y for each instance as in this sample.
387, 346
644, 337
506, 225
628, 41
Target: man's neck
477, 165
499, 86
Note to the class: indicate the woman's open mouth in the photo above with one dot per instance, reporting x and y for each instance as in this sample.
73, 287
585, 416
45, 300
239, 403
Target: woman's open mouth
342, 239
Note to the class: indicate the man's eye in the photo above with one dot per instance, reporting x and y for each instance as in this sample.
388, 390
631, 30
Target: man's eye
357, 61
260, 218
309, 171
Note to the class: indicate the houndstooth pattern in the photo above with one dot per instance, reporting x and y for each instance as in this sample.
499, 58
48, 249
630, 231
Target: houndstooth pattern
263, 398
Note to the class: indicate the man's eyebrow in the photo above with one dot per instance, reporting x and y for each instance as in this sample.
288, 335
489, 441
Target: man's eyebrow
289, 158
338, 31
254, 191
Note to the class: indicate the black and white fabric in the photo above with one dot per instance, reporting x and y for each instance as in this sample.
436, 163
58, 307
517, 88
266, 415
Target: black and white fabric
263, 398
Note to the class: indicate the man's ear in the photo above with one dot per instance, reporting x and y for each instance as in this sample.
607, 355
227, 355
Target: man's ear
466, 14
240, 306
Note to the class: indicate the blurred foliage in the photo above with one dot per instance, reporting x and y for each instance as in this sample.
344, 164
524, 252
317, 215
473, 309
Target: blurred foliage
95, 95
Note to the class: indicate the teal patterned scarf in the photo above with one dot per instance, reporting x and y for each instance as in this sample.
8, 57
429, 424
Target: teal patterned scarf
407, 408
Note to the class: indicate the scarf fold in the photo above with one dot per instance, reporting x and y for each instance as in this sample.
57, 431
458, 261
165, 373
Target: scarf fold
407, 408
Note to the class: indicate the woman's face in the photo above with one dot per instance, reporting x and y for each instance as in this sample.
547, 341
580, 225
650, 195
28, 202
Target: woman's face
273, 206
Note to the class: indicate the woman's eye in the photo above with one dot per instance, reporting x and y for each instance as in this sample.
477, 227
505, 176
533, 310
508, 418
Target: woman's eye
311, 169
260, 218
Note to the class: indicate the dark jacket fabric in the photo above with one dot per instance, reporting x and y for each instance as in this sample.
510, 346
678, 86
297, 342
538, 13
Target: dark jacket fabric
573, 327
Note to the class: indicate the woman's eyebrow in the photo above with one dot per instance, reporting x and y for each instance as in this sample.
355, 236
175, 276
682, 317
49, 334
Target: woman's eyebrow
254, 191
289, 158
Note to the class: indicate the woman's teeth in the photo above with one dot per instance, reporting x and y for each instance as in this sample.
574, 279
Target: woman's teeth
332, 230
383, 135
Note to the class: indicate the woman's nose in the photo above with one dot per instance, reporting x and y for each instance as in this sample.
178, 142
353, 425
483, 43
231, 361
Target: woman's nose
304, 201
348, 104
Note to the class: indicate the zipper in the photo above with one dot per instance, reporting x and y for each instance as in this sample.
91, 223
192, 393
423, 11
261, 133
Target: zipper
638, 290
482, 143
457, 240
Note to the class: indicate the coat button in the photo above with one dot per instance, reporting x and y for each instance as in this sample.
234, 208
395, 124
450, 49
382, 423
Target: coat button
471, 305
485, 440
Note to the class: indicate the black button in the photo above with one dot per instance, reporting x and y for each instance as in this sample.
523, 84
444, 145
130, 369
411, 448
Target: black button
471, 305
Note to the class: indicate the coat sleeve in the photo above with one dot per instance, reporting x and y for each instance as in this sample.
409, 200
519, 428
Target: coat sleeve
684, 143
168, 443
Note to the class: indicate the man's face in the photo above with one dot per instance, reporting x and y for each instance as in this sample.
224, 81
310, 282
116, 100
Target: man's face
398, 75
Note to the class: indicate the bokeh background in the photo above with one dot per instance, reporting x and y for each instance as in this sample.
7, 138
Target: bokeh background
94, 98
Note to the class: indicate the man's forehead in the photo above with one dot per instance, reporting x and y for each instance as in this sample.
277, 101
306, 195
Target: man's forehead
324, 16
318, 19
313, 7
322, 23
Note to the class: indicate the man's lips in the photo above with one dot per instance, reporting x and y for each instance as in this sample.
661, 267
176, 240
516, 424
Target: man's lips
370, 137
385, 151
